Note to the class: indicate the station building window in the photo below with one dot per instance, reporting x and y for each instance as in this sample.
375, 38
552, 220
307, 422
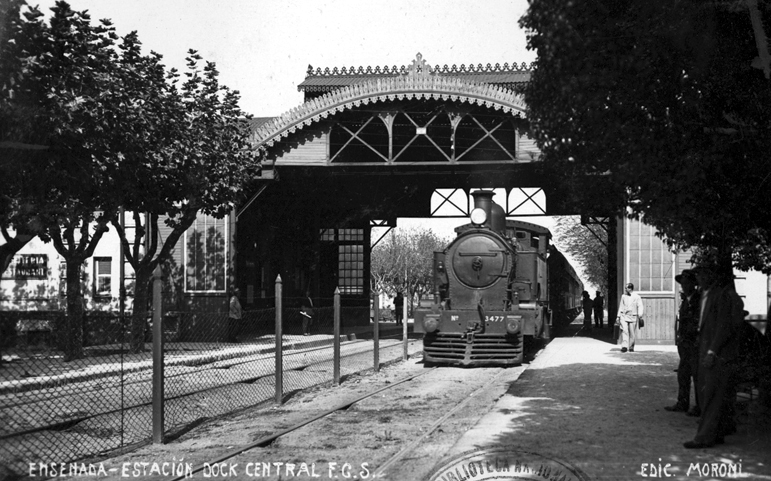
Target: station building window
206, 255
102, 276
650, 263
350, 258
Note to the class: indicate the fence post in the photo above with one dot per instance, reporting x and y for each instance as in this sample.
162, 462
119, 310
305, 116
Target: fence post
158, 384
279, 343
336, 353
376, 331
405, 354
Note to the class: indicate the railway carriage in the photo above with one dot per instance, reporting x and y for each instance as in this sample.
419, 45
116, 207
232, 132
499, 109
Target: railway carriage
492, 290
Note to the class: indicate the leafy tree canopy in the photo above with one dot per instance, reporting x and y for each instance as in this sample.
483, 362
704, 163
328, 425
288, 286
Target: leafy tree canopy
587, 246
660, 107
403, 261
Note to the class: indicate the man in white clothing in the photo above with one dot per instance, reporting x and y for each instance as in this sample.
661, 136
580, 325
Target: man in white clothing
630, 310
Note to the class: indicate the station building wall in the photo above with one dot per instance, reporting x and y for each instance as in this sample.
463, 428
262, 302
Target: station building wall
197, 277
645, 261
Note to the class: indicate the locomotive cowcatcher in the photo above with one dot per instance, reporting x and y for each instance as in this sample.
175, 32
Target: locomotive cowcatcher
490, 291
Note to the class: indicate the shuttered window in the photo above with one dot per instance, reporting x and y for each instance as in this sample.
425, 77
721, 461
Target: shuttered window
102, 276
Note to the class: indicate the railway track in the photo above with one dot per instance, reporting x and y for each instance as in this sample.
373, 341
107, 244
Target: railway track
469, 396
82, 397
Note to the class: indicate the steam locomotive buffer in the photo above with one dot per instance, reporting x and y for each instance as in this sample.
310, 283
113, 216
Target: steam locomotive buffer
490, 291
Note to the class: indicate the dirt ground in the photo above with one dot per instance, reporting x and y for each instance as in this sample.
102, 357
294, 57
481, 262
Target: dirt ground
349, 444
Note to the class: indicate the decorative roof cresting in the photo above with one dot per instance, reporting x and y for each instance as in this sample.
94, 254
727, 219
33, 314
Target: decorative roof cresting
403, 70
418, 81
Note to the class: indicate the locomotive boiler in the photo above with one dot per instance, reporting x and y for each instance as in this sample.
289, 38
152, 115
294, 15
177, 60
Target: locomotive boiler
490, 291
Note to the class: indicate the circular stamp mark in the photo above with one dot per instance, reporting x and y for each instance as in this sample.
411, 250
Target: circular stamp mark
505, 464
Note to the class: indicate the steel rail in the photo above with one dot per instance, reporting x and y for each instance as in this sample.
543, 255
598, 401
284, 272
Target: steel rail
380, 471
201, 369
75, 421
267, 440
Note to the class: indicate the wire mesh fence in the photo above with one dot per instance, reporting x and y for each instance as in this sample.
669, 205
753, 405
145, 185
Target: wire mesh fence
55, 411
64, 409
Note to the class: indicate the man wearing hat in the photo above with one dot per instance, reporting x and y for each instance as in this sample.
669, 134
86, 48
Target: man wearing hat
686, 333
720, 317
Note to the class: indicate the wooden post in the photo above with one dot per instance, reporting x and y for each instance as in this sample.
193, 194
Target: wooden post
158, 385
613, 288
405, 353
376, 331
279, 344
336, 353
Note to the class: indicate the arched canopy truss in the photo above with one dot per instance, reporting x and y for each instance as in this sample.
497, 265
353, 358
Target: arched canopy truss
419, 117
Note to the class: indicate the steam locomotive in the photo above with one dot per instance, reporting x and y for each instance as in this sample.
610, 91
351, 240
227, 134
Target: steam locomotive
492, 288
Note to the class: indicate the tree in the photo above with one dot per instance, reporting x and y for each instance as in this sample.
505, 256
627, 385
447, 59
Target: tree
118, 134
404, 262
661, 108
61, 89
21, 152
201, 162
587, 247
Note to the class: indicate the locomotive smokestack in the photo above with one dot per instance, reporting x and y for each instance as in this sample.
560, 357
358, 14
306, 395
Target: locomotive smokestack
483, 199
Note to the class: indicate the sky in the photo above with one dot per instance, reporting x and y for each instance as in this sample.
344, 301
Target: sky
262, 48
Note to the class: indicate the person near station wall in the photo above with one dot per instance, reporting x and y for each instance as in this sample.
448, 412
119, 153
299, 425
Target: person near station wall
587, 305
234, 315
598, 305
630, 311
721, 316
686, 338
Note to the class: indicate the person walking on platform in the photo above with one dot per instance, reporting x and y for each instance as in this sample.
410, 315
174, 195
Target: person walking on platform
306, 311
630, 311
398, 307
587, 305
721, 315
598, 304
686, 333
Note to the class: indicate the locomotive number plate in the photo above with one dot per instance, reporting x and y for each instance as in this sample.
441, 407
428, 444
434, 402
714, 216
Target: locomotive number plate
494, 318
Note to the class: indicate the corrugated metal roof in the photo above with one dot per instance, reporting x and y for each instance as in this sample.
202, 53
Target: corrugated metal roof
257, 122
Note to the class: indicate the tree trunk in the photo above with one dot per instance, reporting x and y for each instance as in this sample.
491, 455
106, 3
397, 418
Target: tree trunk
73, 329
140, 309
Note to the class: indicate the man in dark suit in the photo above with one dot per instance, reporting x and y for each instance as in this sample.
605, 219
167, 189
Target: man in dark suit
722, 312
598, 304
686, 338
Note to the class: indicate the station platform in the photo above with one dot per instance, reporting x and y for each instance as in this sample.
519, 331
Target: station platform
587, 405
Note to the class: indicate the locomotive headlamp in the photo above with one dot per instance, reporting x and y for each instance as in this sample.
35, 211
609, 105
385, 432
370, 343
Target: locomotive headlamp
430, 324
478, 216
512, 324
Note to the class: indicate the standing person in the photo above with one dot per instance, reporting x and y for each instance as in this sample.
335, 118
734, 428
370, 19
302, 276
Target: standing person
686, 334
307, 312
630, 311
399, 306
599, 309
587, 305
234, 315
722, 312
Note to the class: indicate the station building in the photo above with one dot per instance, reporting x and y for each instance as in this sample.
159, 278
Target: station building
367, 146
